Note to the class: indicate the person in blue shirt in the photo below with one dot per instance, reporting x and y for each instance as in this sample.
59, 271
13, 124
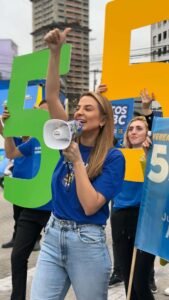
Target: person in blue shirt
89, 173
19, 172
124, 221
27, 156
130, 193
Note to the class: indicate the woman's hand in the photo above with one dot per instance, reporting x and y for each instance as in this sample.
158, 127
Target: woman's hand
146, 98
146, 145
55, 38
72, 153
102, 88
5, 114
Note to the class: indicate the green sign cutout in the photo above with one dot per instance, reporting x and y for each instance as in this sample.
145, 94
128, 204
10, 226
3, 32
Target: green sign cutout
33, 192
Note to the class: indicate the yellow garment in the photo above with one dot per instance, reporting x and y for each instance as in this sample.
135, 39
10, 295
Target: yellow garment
39, 96
143, 163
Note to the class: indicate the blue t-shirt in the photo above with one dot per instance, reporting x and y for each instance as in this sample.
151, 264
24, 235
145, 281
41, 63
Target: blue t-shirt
130, 196
27, 166
108, 183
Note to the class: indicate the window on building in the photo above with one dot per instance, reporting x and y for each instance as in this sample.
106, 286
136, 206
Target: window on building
154, 54
159, 52
164, 34
159, 37
164, 49
154, 40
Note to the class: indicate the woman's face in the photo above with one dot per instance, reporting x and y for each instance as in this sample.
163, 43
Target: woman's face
88, 113
137, 133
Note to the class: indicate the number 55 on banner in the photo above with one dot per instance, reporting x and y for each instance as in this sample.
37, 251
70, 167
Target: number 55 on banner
153, 223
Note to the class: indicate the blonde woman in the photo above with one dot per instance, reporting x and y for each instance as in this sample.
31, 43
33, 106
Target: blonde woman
74, 251
124, 221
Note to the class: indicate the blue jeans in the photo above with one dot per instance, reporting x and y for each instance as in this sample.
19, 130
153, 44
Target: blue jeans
72, 254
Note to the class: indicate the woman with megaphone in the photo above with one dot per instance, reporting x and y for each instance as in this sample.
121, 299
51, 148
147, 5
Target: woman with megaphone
88, 175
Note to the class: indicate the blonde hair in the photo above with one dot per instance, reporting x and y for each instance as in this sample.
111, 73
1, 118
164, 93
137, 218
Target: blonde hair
105, 137
126, 142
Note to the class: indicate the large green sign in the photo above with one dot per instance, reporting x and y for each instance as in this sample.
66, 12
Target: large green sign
36, 191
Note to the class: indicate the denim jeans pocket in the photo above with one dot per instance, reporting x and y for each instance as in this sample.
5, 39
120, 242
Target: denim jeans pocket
91, 234
46, 228
49, 224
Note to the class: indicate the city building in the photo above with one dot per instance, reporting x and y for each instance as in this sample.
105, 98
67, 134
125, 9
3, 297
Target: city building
8, 50
160, 41
159, 48
49, 14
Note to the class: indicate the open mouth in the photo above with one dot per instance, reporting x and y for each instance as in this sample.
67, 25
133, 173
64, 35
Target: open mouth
81, 121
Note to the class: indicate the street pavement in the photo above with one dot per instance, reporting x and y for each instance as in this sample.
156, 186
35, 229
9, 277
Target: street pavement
6, 229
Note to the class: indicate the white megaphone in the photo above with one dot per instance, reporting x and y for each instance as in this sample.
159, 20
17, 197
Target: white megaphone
58, 134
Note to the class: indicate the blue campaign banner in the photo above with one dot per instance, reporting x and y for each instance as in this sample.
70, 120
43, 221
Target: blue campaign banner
123, 113
153, 225
4, 161
30, 97
30, 94
4, 87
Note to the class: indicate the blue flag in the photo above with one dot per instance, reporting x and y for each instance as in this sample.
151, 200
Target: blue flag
123, 113
153, 225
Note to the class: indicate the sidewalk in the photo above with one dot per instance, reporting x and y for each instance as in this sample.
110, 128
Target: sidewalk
6, 226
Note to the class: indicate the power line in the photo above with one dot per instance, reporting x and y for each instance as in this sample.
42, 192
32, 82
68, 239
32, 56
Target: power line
155, 47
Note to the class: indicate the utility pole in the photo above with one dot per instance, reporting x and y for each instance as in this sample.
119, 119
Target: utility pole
95, 72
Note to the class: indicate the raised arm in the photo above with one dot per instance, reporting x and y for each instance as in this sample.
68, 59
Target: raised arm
101, 88
146, 99
10, 148
55, 39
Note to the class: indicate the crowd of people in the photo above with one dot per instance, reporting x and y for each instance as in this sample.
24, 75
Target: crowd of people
88, 177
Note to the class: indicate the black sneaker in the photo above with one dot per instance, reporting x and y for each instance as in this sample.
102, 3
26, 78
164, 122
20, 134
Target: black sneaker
115, 279
8, 244
153, 287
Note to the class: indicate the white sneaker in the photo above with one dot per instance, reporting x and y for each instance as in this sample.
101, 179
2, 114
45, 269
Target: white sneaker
166, 292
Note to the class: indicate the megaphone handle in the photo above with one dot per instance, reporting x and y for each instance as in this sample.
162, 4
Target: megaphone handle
67, 163
69, 173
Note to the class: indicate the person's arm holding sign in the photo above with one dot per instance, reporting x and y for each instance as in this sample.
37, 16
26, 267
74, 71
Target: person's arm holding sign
4, 117
10, 147
146, 110
146, 99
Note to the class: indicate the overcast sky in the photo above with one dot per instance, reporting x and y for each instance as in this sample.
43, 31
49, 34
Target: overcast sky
16, 24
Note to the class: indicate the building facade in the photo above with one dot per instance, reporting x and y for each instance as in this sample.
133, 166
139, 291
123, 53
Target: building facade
8, 50
49, 14
160, 41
